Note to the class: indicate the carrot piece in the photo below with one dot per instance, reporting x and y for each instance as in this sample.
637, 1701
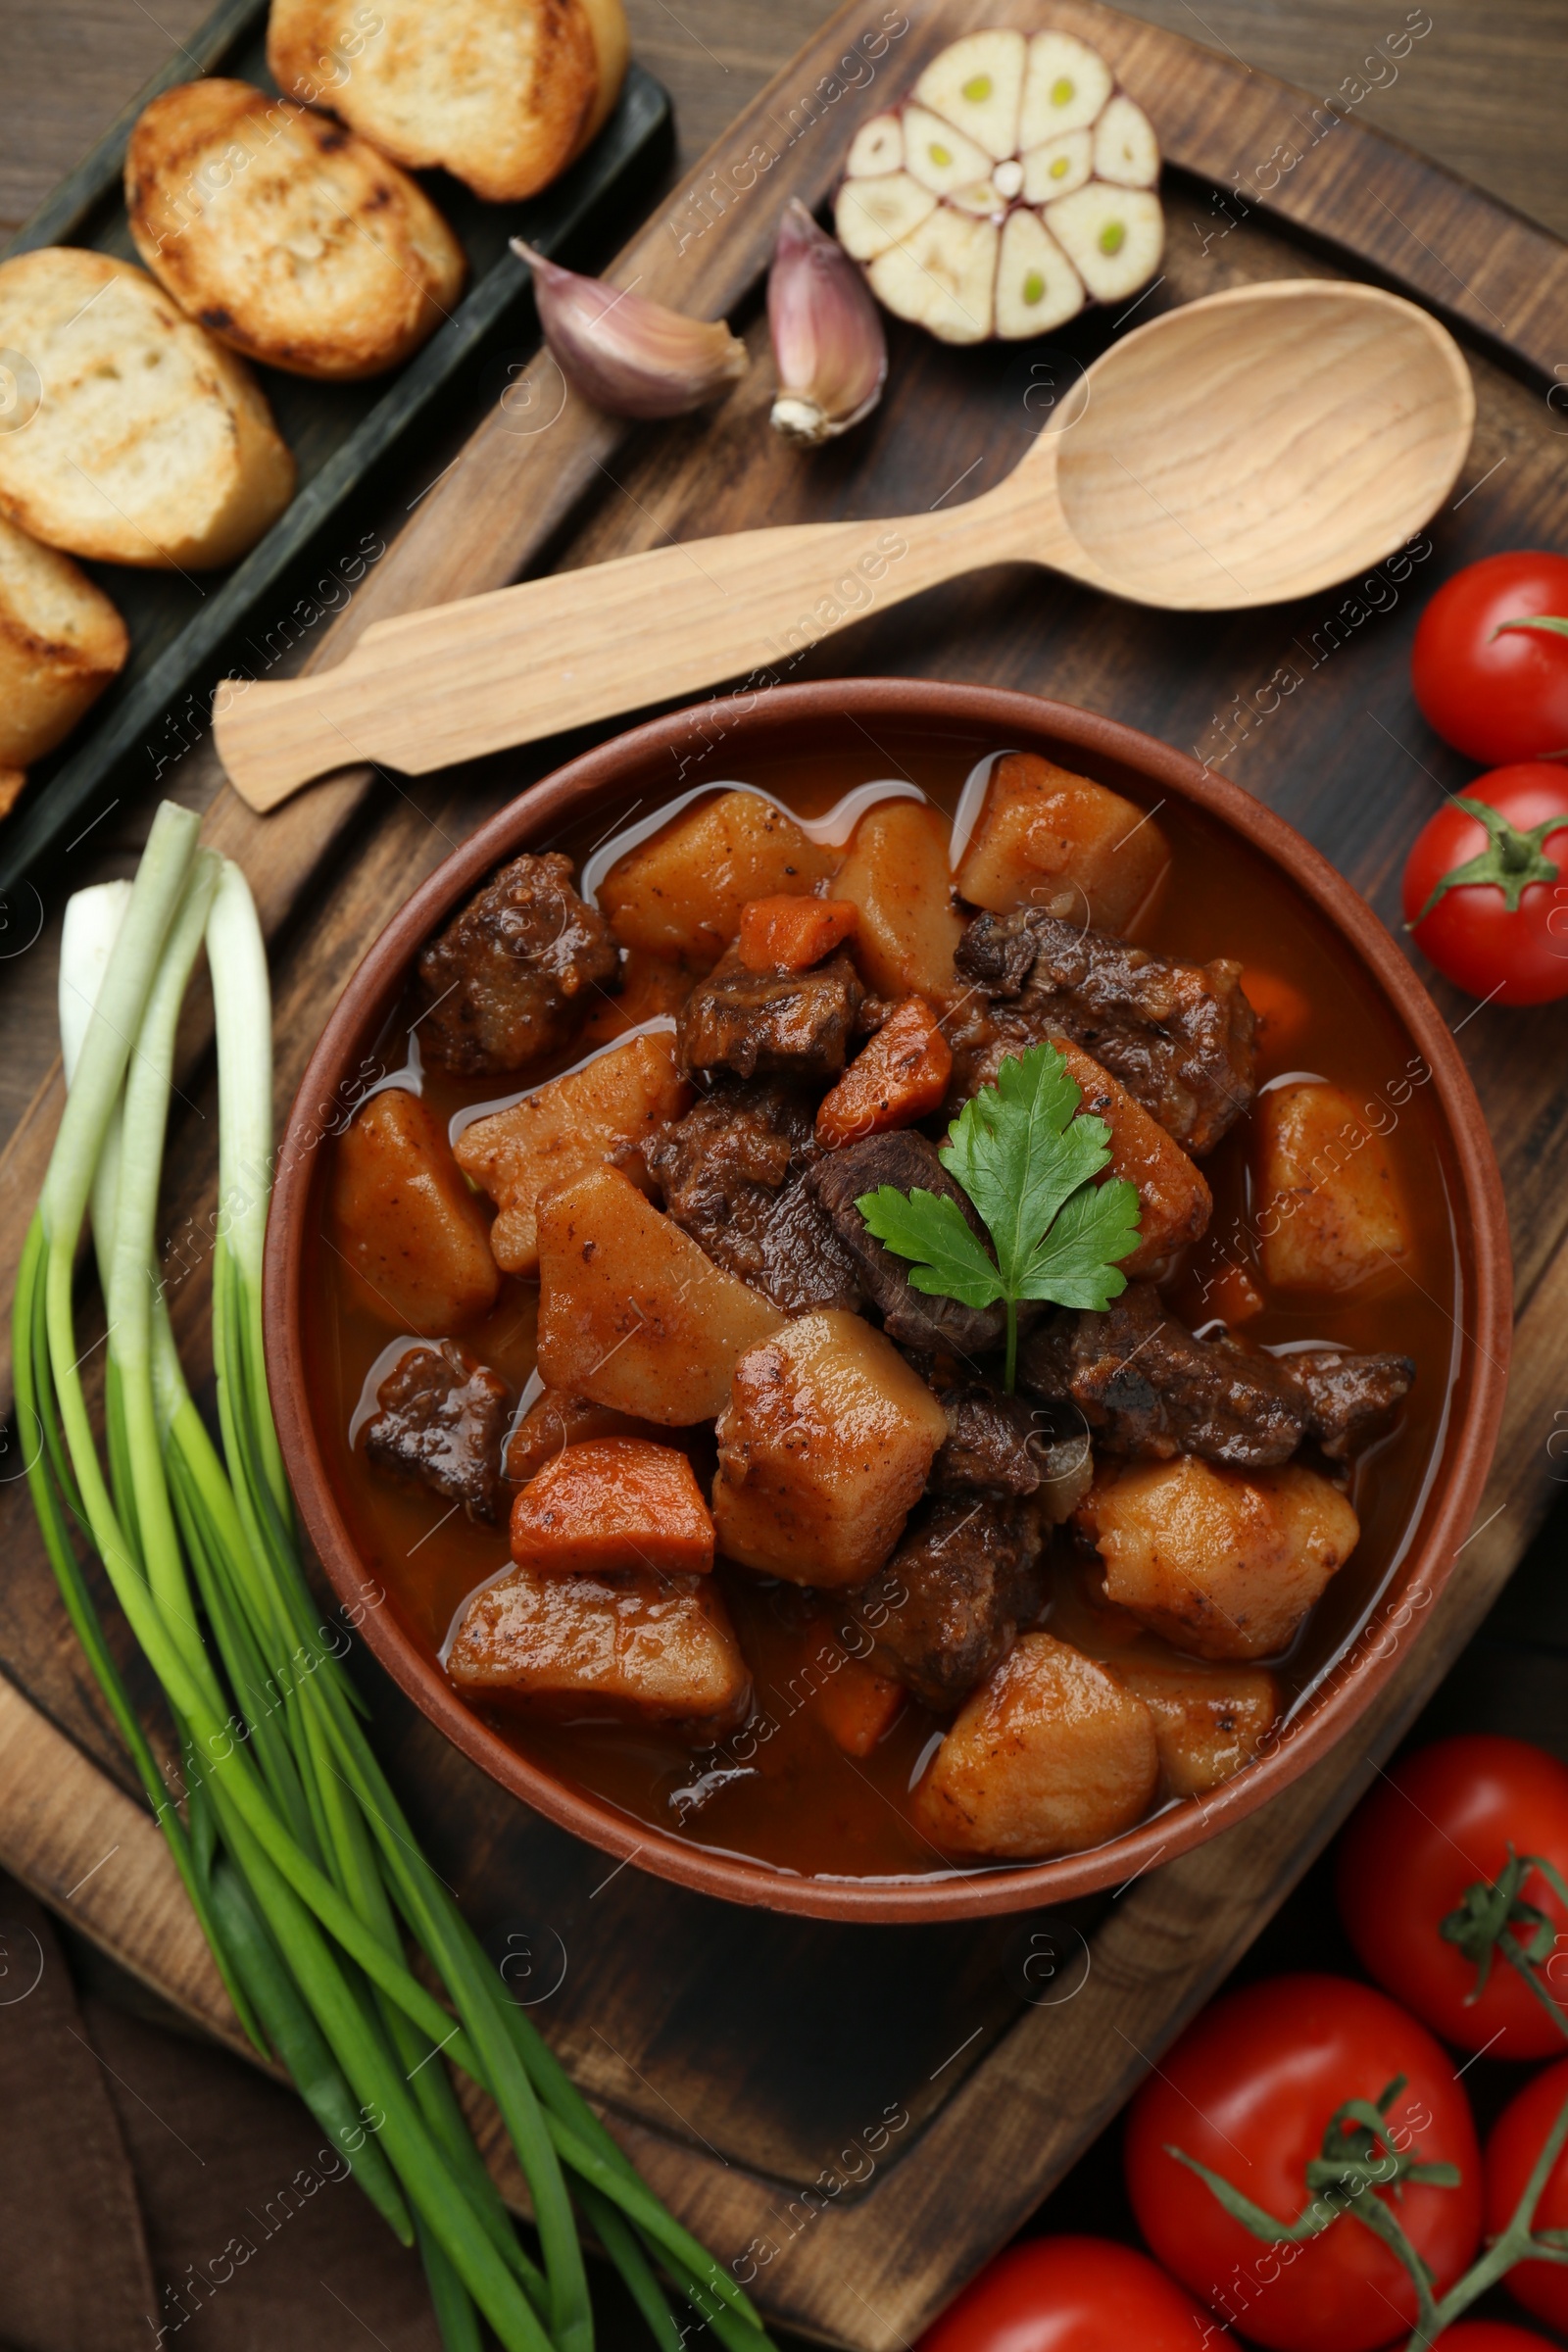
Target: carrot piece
611, 1503
856, 1705
1233, 1295
1283, 1010
789, 934
900, 1076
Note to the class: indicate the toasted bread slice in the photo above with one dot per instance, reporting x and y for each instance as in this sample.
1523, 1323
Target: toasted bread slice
504, 93
151, 444
61, 642
285, 235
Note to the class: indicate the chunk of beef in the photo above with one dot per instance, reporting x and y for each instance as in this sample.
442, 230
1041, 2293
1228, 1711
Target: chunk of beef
1146, 1387
1179, 1036
1149, 1389
990, 1448
908, 1161
512, 975
952, 1599
795, 1023
1005, 1448
1349, 1399
733, 1175
440, 1418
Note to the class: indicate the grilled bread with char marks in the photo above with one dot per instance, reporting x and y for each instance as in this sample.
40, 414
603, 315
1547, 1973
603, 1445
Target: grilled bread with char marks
284, 234
503, 93
151, 444
61, 642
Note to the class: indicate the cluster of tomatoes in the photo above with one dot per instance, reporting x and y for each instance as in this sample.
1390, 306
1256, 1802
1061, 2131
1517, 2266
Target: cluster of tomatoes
1485, 887
1441, 1858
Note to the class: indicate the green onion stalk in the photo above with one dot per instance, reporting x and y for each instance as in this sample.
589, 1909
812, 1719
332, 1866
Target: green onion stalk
347, 1960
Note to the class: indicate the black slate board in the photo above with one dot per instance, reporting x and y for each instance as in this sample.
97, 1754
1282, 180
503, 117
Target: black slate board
179, 624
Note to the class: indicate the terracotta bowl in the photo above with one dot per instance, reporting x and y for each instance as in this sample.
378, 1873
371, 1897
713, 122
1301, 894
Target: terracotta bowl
687, 747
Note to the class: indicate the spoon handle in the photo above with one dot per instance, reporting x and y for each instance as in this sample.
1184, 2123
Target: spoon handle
461, 679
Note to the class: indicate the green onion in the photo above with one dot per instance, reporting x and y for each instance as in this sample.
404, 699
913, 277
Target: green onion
327, 1922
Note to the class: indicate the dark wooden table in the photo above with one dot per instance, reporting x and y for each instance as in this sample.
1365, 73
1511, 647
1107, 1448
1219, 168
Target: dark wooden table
1483, 93
1487, 91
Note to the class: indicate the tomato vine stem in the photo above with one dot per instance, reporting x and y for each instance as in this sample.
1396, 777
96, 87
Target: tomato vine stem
1361, 2154
1480, 1928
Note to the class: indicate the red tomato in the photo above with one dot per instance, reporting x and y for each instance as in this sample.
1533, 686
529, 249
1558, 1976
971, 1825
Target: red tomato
1518, 953
1070, 2294
1517, 2138
1490, 2336
1249, 2092
1497, 693
1436, 1825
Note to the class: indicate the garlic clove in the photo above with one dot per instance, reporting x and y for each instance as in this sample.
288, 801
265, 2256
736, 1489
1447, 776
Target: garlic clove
1057, 168
1126, 149
941, 158
828, 343
1112, 236
942, 276
876, 148
1037, 286
976, 85
873, 213
1066, 85
985, 200
627, 355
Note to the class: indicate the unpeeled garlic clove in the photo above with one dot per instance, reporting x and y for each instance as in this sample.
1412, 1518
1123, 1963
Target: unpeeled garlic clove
828, 343
625, 354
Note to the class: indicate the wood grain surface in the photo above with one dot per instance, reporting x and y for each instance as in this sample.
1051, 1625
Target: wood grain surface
744, 2060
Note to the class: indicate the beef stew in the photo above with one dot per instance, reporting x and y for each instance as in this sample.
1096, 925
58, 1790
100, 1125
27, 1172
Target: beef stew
876, 1579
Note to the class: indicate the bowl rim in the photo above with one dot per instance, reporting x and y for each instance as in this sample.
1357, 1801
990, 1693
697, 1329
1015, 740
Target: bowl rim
745, 721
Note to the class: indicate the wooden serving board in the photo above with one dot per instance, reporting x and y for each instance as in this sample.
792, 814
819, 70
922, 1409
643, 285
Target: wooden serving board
858, 2116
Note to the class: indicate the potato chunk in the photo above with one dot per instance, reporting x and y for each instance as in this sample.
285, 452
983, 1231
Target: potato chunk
822, 1450
610, 1503
407, 1224
640, 1648
1049, 1755
897, 874
620, 1098
1048, 838
1224, 1563
681, 894
1331, 1213
1209, 1720
633, 1314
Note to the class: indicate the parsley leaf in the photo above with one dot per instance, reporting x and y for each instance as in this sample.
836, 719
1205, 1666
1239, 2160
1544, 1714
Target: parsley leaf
1027, 1158
931, 1227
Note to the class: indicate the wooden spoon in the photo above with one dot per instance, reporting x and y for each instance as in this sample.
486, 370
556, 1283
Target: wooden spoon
1255, 446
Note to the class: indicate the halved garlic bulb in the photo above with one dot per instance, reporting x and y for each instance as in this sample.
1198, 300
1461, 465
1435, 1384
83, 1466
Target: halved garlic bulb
1015, 184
